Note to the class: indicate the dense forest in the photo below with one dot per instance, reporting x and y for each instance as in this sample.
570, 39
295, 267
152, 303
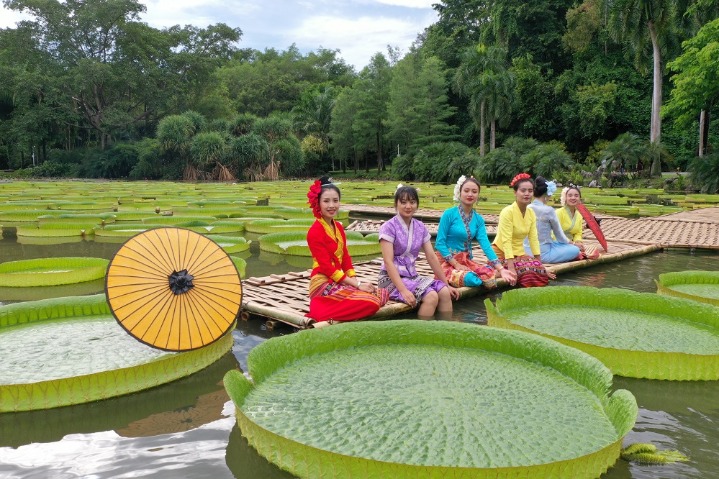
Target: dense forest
601, 90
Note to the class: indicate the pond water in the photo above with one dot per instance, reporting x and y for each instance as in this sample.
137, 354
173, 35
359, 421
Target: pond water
187, 428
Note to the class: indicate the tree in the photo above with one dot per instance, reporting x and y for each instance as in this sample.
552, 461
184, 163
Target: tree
313, 116
341, 131
646, 23
283, 146
372, 90
696, 82
418, 109
484, 79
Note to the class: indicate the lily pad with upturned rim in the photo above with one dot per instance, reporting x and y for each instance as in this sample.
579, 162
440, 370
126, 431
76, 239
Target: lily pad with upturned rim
641, 335
702, 286
413, 399
51, 271
295, 243
143, 371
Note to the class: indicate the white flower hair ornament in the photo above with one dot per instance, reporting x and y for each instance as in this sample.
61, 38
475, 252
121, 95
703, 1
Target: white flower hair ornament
551, 188
563, 196
458, 187
399, 186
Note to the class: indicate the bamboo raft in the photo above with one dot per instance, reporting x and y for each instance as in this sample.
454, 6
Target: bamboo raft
284, 297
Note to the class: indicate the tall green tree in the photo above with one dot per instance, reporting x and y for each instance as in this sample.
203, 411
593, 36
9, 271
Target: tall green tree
484, 79
646, 24
418, 109
696, 81
313, 115
372, 90
341, 131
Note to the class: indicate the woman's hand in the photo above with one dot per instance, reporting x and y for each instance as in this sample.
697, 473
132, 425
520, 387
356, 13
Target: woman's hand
408, 297
367, 287
579, 245
511, 269
453, 292
509, 276
551, 275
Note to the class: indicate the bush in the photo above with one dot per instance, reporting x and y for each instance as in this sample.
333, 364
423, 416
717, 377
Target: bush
547, 159
501, 164
441, 162
704, 173
403, 168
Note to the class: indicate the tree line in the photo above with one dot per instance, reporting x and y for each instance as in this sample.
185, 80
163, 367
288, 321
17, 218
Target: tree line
600, 89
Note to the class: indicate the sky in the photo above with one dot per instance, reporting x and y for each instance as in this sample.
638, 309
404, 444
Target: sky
358, 28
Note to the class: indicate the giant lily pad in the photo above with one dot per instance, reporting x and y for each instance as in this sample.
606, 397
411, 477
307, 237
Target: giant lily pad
71, 350
295, 243
697, 285
51, 271
423, 399
640, 335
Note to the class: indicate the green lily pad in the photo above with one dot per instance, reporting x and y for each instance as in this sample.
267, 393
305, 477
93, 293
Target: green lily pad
71, 350
295, 243
413, 399
639, 335
696, 285
51, 271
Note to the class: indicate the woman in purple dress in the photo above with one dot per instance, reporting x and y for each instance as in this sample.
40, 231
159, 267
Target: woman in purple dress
401, 239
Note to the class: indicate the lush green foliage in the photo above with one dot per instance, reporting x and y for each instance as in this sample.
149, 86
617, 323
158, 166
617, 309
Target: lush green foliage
79, 83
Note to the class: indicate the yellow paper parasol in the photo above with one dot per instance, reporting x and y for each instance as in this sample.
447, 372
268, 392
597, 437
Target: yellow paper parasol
173, 289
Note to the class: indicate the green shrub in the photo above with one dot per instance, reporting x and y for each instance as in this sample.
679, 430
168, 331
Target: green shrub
704, 173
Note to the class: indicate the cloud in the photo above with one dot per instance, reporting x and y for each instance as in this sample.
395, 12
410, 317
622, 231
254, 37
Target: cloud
358, 28
409, 3
358, 39
9, 18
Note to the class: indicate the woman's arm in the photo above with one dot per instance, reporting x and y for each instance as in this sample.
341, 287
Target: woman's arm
532, 235
445, 223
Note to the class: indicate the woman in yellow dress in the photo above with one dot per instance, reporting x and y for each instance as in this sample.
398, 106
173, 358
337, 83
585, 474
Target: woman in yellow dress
517, 222
571, 221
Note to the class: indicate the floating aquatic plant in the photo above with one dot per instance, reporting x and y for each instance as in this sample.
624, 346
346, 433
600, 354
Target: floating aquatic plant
429, 399
82, 328
295, 243
696, 285
264, 226
231, 244
51, 271
639, 335
648, 454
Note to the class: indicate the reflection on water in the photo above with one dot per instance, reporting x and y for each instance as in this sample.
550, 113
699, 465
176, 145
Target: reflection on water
186, 428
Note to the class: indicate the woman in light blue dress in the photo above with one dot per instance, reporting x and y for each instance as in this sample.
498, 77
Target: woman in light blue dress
557, 249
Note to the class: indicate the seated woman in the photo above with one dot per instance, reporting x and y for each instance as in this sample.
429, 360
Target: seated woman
458, 227
571, 221
335, 293
517, 222
401, 239
559, 249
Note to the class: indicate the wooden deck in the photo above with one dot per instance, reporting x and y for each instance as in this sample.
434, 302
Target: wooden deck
284, 297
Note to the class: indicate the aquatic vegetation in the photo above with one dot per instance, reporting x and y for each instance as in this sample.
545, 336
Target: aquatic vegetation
647, 453
51, 271
639, 335
263, 226
429, 399
231, 244
70, 350
295, 243
696, 285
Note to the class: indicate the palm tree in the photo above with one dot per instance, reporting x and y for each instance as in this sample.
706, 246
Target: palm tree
484, 79
644, 22
313, 115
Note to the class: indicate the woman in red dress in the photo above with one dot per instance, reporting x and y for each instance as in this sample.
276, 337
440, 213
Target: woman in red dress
335, 292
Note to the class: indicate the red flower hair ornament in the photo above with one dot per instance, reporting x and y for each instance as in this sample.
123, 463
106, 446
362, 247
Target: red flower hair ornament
518, 178
313, 198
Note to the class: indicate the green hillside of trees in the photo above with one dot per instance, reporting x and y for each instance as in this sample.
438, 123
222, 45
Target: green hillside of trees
604, 90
